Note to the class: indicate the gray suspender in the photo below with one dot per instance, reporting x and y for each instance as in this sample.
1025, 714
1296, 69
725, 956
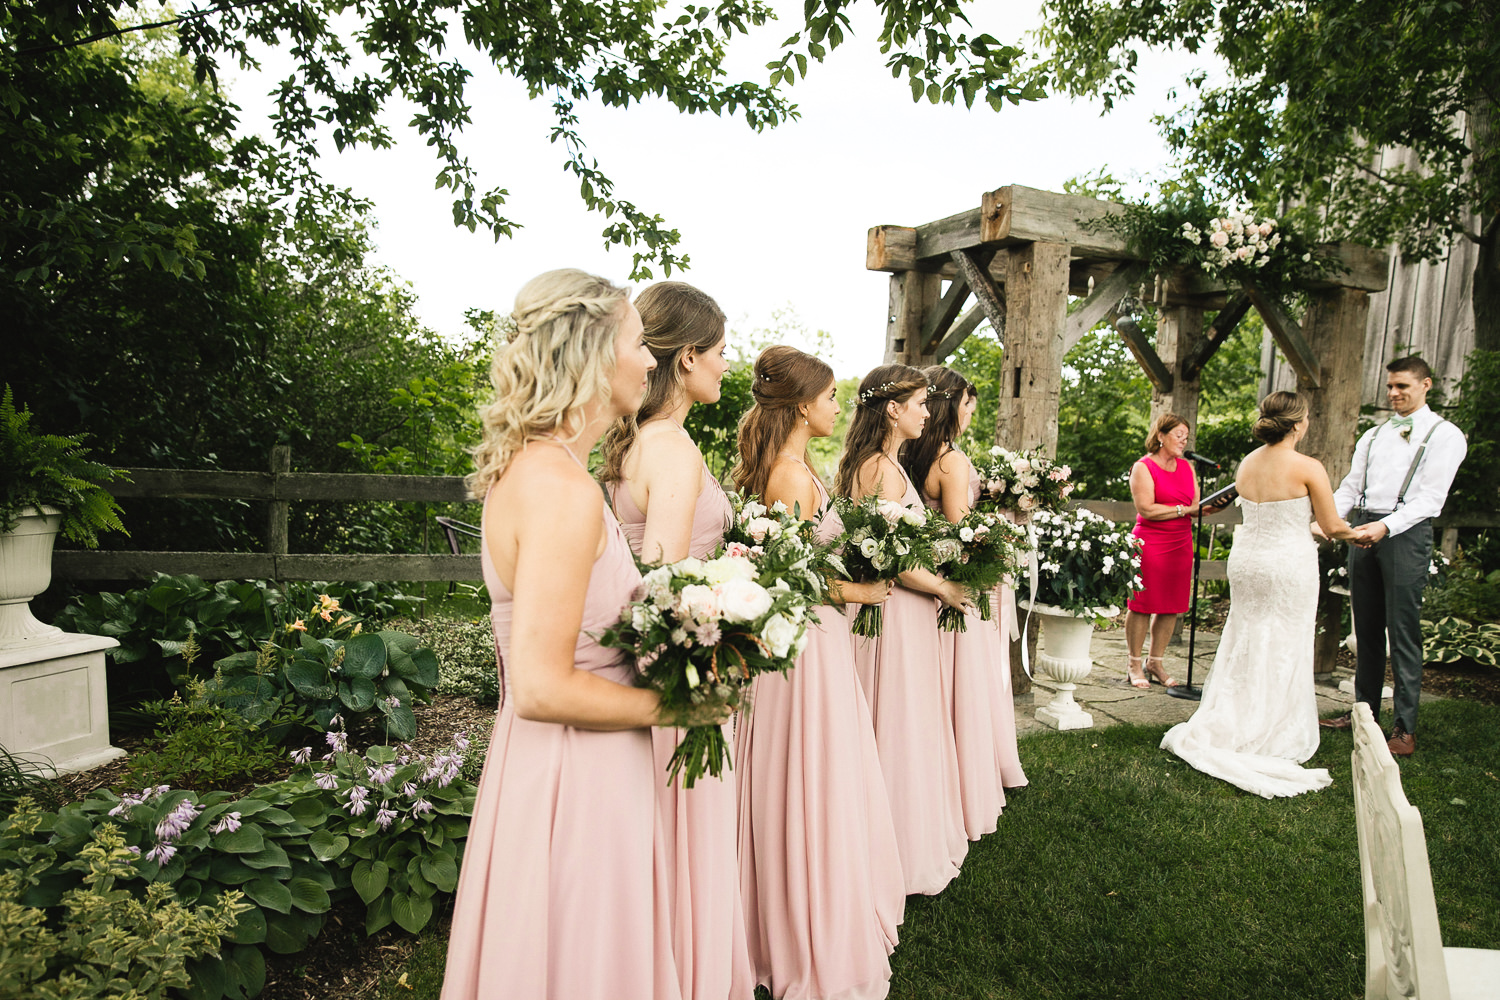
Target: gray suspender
1410, 473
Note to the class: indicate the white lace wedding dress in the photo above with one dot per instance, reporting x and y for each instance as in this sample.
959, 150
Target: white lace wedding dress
1259, 719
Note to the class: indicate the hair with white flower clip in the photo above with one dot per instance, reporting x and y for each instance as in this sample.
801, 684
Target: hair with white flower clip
870, 425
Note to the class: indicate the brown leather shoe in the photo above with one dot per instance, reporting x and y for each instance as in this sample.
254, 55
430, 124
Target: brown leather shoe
1338, 721
1401, 743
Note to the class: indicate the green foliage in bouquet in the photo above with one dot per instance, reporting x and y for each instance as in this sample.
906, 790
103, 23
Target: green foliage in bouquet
1084, 562
1023, 482
882, 539
978, 551
39, 469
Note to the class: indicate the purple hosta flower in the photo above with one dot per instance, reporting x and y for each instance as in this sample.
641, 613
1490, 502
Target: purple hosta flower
708, 633
302, 756
326, 780
129, 801
443, 769
382, 774
228, 823
393, 702
177, 821
134, 850
461, 740
385, 816
358, 800
420, 808
408, 789
161, 853
339, 741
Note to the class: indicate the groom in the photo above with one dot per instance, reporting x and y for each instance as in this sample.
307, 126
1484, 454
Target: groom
1396, 485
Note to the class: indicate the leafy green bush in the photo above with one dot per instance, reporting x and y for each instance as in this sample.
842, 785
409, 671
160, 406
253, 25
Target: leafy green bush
1466, 592
465, 651
202, 745
1449, 640
332, 668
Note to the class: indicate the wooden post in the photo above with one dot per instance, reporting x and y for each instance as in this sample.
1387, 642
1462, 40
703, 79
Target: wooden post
913, 295
278, 511
1036, 291
1334, 328
1177, 335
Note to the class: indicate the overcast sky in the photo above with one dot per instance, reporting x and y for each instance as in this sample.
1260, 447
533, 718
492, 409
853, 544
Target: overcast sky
772, 221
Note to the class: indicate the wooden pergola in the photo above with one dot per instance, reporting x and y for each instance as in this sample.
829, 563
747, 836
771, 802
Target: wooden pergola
1018, 257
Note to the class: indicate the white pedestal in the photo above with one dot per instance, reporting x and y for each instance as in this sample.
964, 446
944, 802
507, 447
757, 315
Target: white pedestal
1063, 654
1063, 712
54, 705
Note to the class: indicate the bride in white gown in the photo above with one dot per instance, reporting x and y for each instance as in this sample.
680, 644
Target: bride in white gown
1258, 720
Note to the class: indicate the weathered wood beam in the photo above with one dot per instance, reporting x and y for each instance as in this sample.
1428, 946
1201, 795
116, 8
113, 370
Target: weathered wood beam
890, 248
940, 320
1135, 340
1100, 303
206, 484
972, 266
1017, 214
1288, 336
1213, 338
913, 294
1355, 266
78, 564
967, 324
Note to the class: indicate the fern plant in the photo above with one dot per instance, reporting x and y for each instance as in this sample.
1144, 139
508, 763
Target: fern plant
39, 469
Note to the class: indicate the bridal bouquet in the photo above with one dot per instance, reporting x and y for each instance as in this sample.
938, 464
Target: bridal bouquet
701, 630
784, 549
882, 538
978, 551
1084, 561
1023, 481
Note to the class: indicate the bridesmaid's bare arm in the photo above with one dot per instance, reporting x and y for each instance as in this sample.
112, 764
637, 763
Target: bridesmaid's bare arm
672, 468
950, 476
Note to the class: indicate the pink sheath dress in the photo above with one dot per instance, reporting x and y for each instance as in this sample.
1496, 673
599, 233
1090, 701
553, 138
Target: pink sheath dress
902, 678
820, 872
561, 893
972, 663
1167, 546
699, 823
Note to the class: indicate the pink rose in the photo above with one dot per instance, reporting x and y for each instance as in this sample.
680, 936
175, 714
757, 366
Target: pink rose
1219, 239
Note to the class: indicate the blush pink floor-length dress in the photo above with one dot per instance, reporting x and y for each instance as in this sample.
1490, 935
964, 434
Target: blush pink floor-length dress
561, 895
699, 824
901, 673
820, 871
976, 681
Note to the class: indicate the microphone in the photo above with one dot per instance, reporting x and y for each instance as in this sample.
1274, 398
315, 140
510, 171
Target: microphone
1193, 456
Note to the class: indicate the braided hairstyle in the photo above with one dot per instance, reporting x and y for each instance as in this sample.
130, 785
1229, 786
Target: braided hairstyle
944, 399
559, 360
869, 427
784, 378
676, 317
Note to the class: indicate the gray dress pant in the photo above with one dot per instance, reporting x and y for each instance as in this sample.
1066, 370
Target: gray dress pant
1385, 588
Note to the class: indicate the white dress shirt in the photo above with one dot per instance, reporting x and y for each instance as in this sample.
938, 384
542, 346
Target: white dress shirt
1388, 456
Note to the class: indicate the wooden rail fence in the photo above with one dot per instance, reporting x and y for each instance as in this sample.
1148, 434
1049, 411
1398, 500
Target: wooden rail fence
279, 486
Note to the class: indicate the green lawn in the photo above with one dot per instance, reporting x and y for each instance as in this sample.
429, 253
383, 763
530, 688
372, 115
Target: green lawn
1120, 872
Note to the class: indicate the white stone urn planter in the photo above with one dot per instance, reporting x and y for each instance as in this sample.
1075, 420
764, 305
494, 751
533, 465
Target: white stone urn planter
1063, 654
25, 571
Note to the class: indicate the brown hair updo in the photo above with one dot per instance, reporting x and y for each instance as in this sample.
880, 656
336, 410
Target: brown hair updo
869, 426
675, 317
946, 396
1164, 425
1280, 413
783, 379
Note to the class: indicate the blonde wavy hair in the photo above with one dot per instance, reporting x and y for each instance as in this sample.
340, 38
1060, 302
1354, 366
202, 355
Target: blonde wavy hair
560, 358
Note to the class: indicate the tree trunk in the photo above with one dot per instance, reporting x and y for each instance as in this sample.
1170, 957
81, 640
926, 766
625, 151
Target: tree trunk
1486, 295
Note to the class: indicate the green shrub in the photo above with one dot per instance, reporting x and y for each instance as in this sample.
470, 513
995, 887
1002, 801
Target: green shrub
1448, 640
202, 745
1466, 592
101, 939
465, 651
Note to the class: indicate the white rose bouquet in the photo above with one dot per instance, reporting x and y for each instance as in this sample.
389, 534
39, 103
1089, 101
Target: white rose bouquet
979, 551
784, 548
701, 630
1084, 561
1024, 482
882, 539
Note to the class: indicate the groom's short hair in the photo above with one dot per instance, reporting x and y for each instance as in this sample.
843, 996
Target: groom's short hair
1411, 364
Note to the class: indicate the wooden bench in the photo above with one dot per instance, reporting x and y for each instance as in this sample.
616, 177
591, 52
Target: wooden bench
1404, 953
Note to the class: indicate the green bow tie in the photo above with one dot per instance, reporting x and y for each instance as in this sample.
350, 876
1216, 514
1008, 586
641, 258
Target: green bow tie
1402, 424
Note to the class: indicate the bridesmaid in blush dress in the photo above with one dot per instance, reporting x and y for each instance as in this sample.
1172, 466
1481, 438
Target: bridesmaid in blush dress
671, 507
1165, 492
900, 669
975, 662
559, 894
819, 866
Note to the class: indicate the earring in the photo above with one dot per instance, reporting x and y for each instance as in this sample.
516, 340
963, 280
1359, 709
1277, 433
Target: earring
804, 422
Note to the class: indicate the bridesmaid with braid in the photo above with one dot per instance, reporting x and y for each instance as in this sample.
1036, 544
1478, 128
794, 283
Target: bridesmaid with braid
820, 870
900, 668
671, 507
559, 894
975, 662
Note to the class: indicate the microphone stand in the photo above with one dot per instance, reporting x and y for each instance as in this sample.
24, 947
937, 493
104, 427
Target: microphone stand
1187, 690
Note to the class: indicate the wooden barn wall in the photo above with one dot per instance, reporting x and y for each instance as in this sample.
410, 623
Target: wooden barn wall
1426, 309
